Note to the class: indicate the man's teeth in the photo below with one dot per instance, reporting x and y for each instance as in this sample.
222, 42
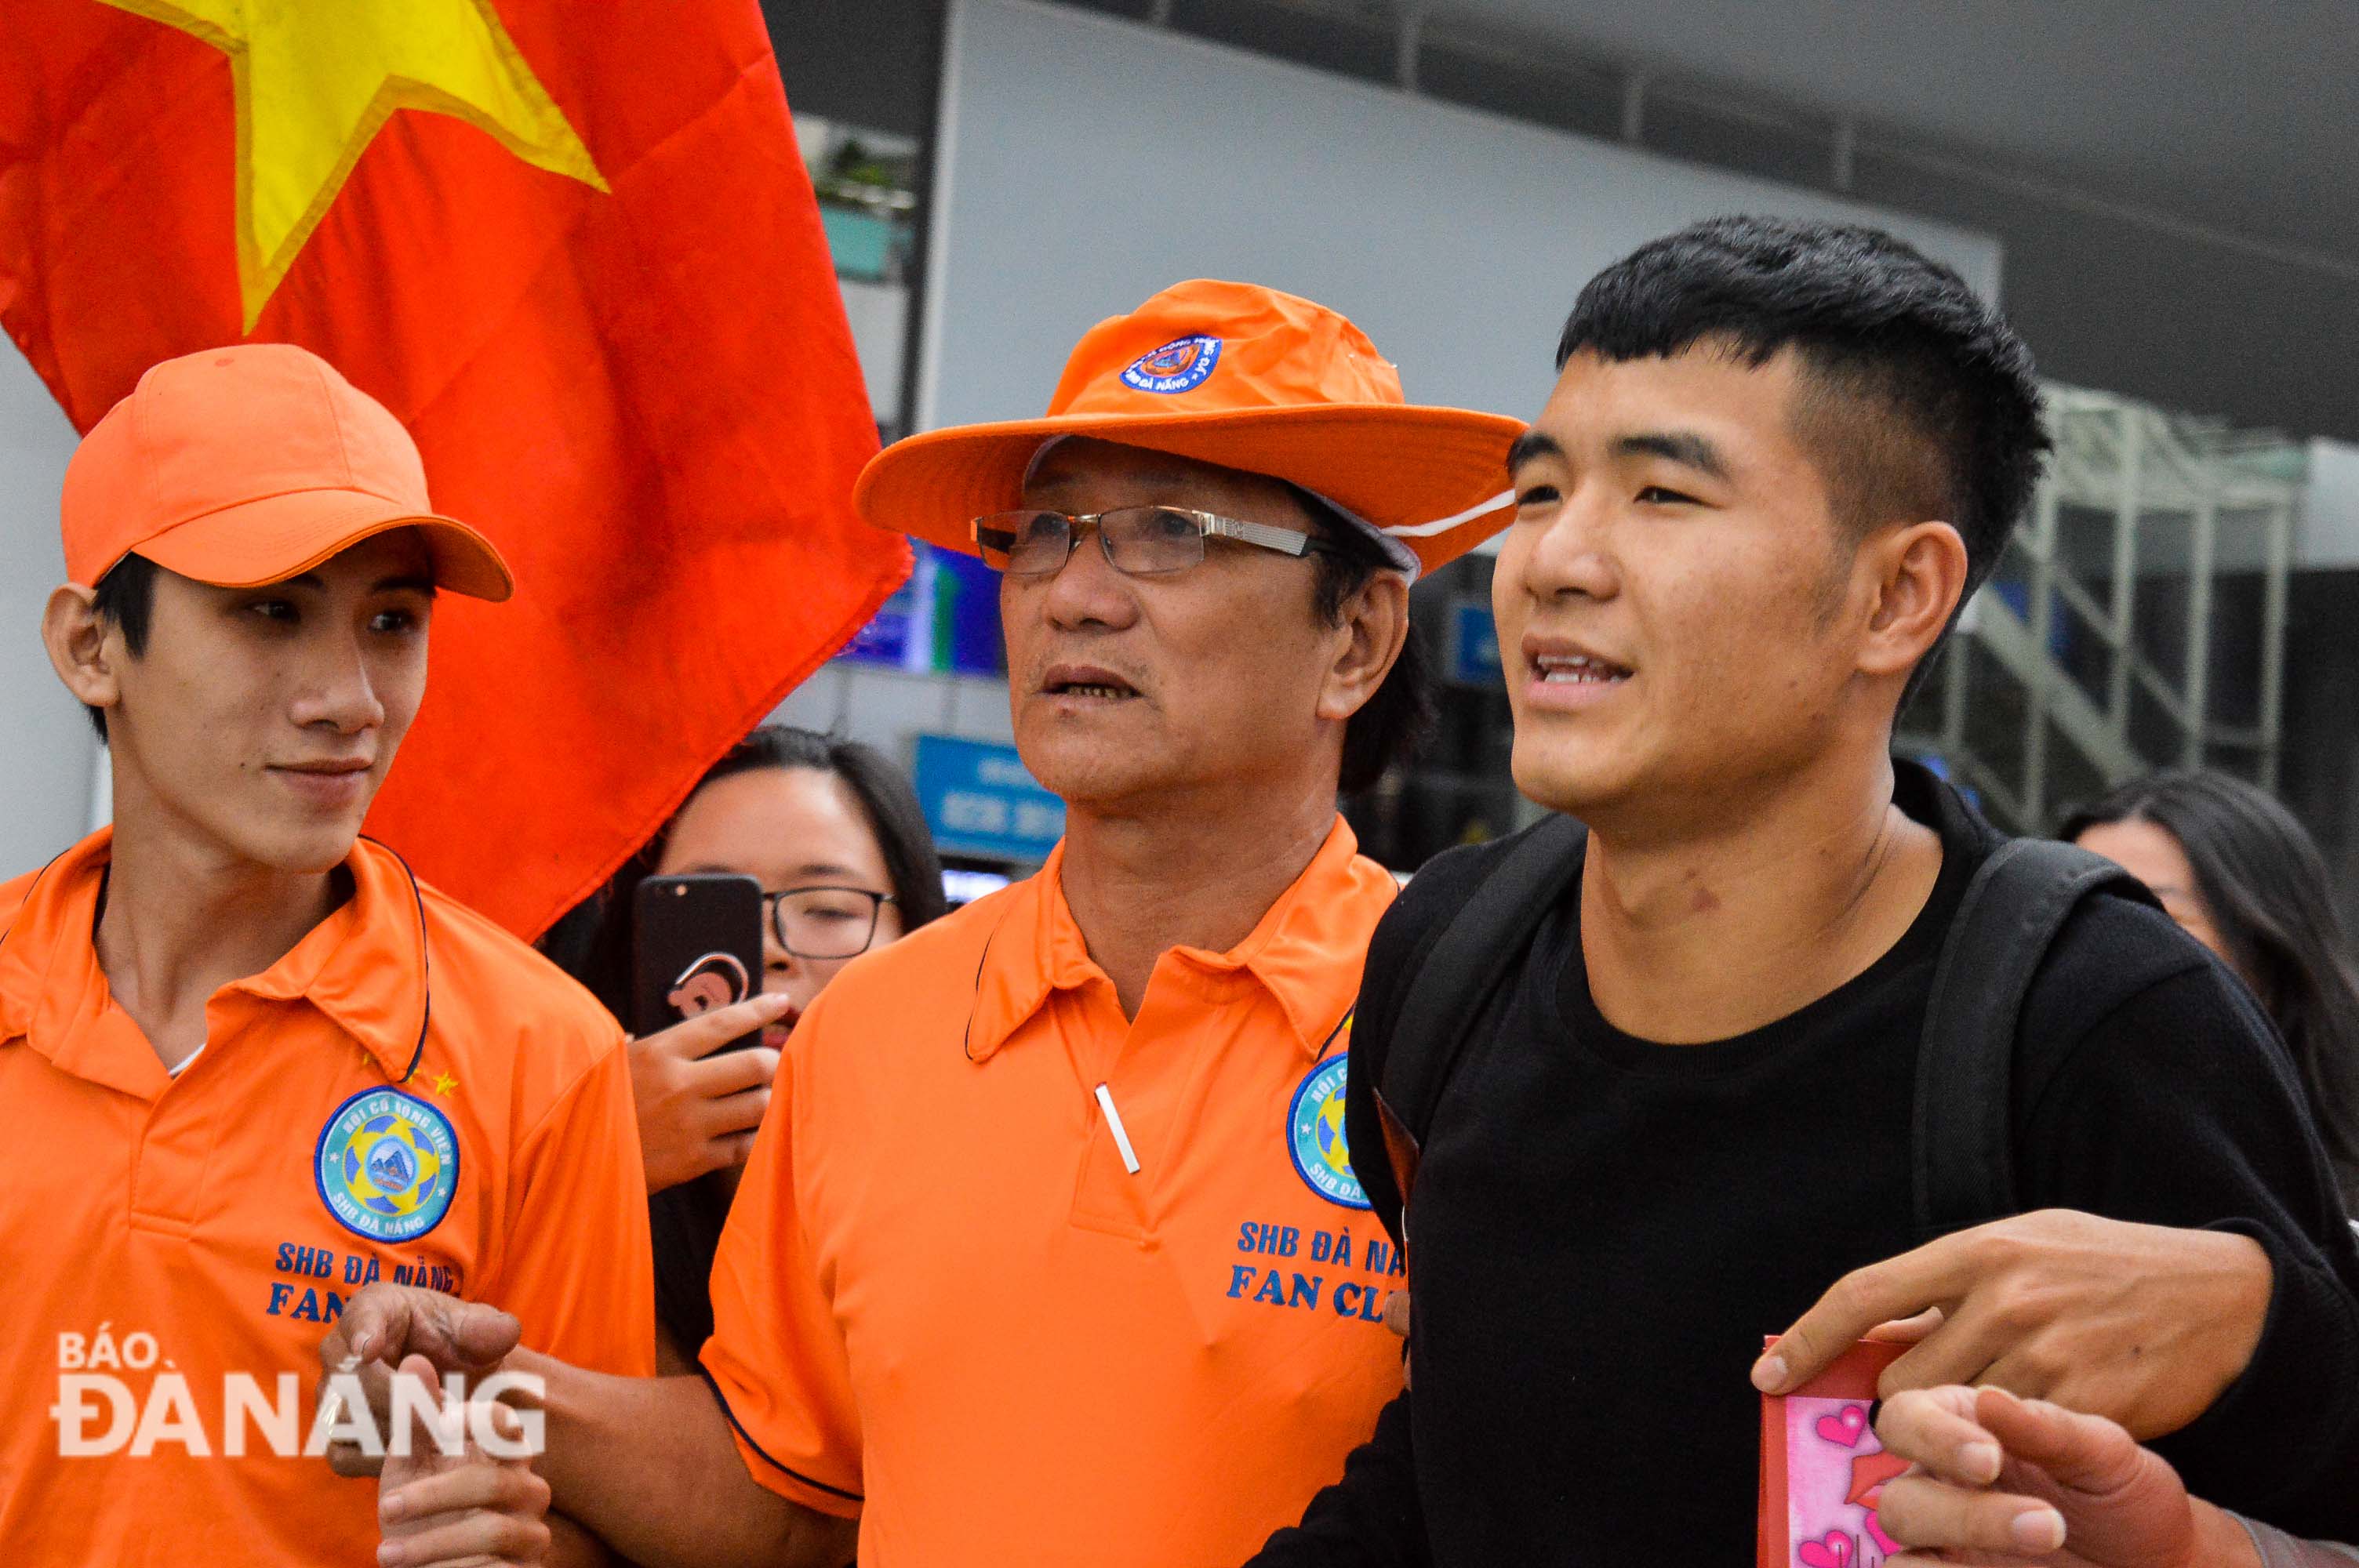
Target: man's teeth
1577, 668
1078, 690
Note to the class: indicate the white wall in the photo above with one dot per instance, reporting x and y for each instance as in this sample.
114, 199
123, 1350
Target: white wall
47, 750
1085, 162
2329, 533
879, 314
887, 708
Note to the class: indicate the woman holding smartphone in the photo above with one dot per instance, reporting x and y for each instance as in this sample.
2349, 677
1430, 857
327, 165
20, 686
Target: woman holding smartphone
835, 834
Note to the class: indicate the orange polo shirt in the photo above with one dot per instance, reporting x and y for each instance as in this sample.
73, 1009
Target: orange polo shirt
945, 1303
334, 1129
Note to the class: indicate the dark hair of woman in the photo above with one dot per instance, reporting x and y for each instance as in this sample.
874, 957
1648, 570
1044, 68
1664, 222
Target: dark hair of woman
593, 944
2265, 887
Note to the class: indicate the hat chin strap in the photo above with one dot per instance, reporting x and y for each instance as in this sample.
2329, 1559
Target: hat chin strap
1443, 524
1402, 558
1032, 468
1398, 555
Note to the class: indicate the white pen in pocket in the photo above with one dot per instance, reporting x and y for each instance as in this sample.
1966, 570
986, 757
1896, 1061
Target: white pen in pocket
1121, 1133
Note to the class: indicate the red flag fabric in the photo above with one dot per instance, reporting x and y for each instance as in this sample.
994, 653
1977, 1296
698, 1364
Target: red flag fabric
575, 250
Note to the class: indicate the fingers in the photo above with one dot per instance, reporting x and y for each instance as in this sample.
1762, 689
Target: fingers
1959, 1351
2085, 1452
377, 1317
731, 1072
425, 1387
509, 1488
1922, 1511
385, 1323
480, 1337
1936, 1428
694, 1100
470, 1538
740, 1112
729, 1153
453, 1506
1909, 1330
349, 1389
1902, 1287
470, 1512
708, 1031
723, 1152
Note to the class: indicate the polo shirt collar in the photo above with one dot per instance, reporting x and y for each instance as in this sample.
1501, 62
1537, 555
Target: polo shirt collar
364, 967
1306, 952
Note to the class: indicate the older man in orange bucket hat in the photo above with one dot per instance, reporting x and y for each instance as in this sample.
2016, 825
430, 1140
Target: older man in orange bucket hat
1285, 389
1050, 1250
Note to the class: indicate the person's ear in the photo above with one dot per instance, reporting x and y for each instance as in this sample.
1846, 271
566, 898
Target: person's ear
1373, 628
1919, 573
83, 647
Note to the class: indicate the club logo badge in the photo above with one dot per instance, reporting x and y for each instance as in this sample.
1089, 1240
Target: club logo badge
387, 1166
1314, 1136
1180, 365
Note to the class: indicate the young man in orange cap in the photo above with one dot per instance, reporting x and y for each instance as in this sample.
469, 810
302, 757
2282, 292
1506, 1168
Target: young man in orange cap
250, 1063
1050, 1250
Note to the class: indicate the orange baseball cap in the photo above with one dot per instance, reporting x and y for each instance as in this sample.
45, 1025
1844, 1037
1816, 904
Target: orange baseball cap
251, 464
1239, 375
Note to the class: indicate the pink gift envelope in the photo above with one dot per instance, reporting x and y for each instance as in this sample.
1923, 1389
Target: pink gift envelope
1822, 1470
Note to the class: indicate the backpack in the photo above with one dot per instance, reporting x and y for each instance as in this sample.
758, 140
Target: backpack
1962, 1156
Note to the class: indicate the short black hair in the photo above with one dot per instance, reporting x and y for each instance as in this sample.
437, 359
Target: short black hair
1394, 720
1892, 342
126, 596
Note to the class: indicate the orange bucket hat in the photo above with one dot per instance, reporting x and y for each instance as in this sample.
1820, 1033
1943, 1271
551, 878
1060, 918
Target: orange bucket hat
1238, 376
251, 464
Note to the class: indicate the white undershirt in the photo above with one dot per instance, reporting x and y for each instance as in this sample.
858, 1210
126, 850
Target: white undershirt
176, 1072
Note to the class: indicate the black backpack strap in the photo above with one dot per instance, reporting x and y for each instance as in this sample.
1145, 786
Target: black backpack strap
1963, 1135
1447, 991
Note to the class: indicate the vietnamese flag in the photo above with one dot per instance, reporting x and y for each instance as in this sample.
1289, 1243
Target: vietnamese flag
573, 248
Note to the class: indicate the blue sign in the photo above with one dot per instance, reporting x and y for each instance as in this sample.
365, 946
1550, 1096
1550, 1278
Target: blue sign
979, 801
900, 634
1475, 645
945, 618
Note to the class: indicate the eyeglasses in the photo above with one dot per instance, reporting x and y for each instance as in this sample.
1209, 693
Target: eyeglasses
1138, 541
824, 922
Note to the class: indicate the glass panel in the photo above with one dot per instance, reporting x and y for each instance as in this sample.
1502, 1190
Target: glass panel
2155, 733
2080, 648
2085, 547
1997, 707
2159, 631
2242, 762
2072, 779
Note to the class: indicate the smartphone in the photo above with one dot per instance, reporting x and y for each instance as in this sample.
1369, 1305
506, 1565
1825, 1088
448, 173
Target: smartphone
697, 945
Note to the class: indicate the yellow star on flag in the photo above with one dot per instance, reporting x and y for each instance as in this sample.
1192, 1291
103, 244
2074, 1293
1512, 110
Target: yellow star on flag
315, 79
444, 1082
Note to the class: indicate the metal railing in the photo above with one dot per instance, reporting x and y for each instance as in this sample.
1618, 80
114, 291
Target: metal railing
2137, 621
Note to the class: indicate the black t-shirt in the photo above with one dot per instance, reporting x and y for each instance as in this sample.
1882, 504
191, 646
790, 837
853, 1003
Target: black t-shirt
1604, 1226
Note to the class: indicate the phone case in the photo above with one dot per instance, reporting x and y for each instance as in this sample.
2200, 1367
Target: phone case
697, 945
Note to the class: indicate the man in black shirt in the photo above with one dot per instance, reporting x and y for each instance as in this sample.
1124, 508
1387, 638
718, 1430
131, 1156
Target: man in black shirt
1777, 458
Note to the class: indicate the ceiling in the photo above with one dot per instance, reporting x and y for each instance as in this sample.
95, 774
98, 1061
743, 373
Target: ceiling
2237, 117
